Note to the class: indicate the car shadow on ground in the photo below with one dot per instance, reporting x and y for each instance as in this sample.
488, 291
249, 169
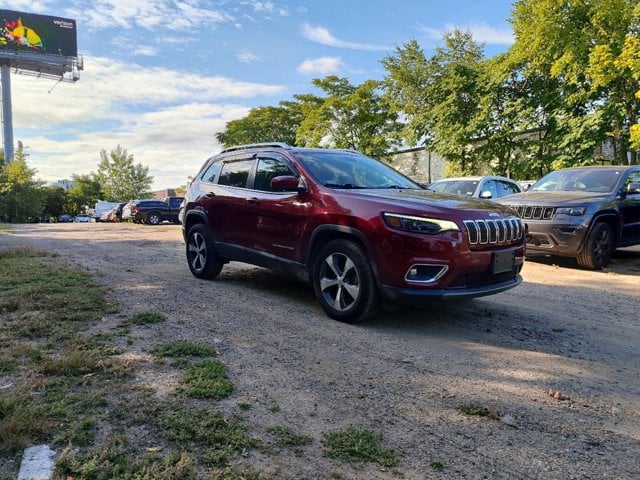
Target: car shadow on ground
625, 261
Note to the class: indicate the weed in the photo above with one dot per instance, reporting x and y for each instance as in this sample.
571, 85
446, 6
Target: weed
437, 465
146, 318
207, 379
353, 445
244, 406
183, 349
287, 437
473, 410
274, 407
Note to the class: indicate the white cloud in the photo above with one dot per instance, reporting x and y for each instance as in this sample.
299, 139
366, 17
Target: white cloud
150, 112
481, 32
270, 8
323, 36
146, 51
321, 66
149, 14
28, 5
247, 57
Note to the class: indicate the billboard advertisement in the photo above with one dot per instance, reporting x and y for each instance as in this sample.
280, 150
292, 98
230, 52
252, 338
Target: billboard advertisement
33, 33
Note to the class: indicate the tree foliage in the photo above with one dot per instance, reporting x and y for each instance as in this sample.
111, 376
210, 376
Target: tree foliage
84, 193
20, 192
264, 124
591, 49
351, 117
120, 178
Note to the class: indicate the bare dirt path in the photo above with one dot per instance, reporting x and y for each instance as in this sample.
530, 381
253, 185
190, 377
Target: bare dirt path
405, 374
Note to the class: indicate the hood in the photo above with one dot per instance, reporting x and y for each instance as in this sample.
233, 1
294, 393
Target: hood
554, 198
426, 201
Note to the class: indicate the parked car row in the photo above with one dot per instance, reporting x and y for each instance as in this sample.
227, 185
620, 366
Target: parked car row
152, 211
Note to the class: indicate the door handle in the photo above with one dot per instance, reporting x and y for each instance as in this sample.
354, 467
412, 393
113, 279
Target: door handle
252, 201
210, 195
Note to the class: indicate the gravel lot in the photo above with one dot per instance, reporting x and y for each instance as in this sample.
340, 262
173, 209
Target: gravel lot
565, 332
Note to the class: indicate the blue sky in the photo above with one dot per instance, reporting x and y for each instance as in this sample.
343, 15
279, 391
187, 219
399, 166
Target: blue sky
162, 77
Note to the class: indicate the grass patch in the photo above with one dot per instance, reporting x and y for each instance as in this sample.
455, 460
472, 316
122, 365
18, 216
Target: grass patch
222, 437
353, 445
114, 460
472, 409
287, 437
207, 379
184, 349
146, 318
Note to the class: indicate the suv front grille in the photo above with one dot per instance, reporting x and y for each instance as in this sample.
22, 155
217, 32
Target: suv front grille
534, 213
492, 232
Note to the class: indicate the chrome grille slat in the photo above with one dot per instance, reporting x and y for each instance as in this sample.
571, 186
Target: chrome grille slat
494, 232
534, 213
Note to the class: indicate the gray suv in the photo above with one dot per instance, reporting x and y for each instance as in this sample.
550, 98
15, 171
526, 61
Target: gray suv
584, 212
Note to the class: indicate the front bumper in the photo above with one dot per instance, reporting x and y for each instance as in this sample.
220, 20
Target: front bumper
555, 238
416, 296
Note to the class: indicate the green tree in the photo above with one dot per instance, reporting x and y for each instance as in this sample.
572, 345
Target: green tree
84, 193
120, 178
20, 192
54, 201
264, 124
439, 96
589, 48
353, 117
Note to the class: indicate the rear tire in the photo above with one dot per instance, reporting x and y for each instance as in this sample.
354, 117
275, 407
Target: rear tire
598, 249
201, 256
153, 218
344, 283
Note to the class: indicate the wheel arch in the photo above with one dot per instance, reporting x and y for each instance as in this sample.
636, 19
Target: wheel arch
326, 233
611, 219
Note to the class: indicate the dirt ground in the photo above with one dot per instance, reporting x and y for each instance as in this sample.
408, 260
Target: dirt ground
566, 332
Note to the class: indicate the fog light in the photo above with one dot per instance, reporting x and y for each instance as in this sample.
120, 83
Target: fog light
425, 273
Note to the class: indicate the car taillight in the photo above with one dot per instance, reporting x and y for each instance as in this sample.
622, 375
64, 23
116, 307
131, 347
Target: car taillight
135, 209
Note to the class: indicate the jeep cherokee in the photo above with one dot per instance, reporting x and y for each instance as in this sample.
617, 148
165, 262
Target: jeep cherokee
358, 230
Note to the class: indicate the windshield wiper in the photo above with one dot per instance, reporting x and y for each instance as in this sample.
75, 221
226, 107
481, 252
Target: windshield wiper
343, 185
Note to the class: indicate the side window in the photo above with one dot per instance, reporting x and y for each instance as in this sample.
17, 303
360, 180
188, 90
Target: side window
269, 168
634, 177
491, 187
212, 172
235, 174
506, 188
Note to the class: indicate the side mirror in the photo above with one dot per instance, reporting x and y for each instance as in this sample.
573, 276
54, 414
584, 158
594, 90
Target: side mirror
287, 183
632, 189
486, 195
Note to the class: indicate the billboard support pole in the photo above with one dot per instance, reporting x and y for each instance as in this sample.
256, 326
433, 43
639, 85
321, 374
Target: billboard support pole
7, 115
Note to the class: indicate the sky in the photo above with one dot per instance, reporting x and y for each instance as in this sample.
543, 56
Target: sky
162, 77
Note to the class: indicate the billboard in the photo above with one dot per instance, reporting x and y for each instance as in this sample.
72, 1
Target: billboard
31, 33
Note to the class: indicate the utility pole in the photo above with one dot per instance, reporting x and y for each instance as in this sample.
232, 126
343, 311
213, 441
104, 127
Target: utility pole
7, 116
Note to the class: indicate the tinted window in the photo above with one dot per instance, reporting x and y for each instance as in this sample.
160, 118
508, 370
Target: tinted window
235, 174
212, 172
269, 168
506, 188
460, 187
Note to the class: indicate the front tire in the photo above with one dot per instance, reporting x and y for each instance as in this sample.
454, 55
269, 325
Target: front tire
598, 249
201, 256
344, 283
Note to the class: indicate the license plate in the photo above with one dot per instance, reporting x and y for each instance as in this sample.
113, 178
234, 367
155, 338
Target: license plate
503, 261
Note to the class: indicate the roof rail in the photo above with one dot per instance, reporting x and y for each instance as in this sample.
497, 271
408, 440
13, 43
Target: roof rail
256, 145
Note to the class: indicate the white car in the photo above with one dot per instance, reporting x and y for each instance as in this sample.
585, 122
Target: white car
82, 218
488, 187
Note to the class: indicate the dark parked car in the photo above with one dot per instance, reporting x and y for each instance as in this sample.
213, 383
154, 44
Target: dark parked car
488, 187
65, 218
152, 211
584, 212
358, 230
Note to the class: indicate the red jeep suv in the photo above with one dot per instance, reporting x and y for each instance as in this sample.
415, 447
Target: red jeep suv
358, 230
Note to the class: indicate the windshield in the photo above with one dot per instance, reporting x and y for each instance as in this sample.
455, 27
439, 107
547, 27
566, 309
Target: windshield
336, 169
603, 181
460, 187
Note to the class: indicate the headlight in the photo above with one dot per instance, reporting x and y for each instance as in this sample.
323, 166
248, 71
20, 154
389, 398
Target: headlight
409, 223
576, 211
